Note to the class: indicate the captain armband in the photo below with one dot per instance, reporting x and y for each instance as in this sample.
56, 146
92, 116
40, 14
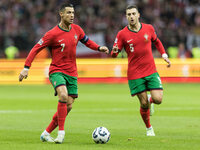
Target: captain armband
84, 39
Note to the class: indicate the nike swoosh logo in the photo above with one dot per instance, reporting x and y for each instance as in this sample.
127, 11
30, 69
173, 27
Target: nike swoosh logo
129, 40
60, 40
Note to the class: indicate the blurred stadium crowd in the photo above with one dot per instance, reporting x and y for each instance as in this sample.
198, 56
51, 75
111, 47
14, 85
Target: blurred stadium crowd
177, 22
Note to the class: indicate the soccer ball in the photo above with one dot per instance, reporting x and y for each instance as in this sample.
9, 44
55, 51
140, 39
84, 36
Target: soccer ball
101, 135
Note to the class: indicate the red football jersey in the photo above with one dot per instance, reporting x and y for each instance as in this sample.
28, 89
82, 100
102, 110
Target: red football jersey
62, 45
138, 48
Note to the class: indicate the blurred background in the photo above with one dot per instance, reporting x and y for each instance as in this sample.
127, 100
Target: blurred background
104, 100
24, 22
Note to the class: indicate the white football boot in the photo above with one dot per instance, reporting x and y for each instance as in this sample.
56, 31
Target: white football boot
150, 131
46, 138
60, 138
151, 106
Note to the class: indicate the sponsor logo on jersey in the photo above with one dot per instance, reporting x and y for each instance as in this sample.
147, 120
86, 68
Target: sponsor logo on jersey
40, 42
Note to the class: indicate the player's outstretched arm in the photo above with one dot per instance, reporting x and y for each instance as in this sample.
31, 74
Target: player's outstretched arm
94, 46
45, 41
165, 57
23, 74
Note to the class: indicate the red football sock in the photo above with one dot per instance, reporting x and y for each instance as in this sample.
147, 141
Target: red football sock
53, 124
62, 113
145, 113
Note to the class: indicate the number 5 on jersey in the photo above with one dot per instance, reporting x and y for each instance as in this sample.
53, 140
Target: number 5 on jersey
131, 47
63, 46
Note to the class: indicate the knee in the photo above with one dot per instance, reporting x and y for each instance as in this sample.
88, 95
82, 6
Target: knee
157, 100
63, 97
144, 104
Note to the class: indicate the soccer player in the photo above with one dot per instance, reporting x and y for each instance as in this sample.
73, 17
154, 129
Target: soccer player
61, 41
136, 38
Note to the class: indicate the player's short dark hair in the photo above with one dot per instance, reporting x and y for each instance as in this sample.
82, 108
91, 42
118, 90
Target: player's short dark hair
62, 7
131, 6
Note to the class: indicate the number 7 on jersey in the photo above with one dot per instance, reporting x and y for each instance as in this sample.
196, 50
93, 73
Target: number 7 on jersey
63, 46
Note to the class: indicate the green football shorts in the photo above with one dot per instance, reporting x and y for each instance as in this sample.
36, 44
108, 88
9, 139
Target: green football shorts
58, 78
148, 83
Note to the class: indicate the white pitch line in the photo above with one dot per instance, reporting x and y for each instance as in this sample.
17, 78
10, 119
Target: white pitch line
74, 110
94, 110
23, 111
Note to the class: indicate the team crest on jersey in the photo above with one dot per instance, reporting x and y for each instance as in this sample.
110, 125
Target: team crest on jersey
75, 36
40, 42
146, 37
54, 83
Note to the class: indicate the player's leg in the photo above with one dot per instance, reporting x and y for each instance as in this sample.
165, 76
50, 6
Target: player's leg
54, 122
145, 112
70, 95
45, 136
144, 108
57, 81
151, 104
72, 89
61, 134
69, 104
156, 96
61, 112
138, 87
154, 84
156, 91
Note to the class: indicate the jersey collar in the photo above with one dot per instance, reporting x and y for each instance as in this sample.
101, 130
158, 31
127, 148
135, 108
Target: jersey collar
135, 31
64, 29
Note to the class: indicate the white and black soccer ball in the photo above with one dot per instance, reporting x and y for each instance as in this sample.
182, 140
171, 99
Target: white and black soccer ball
101, 135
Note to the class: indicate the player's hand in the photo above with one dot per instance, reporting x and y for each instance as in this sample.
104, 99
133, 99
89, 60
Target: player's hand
168, 61
115, 49
23, 75
165, 57
104, 49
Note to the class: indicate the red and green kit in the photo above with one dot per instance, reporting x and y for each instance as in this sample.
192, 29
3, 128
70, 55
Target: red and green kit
62, 45
138, 47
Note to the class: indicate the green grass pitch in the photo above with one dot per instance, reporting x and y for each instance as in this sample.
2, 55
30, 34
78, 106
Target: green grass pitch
25, 111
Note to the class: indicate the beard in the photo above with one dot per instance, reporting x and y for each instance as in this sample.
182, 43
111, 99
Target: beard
67, 22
